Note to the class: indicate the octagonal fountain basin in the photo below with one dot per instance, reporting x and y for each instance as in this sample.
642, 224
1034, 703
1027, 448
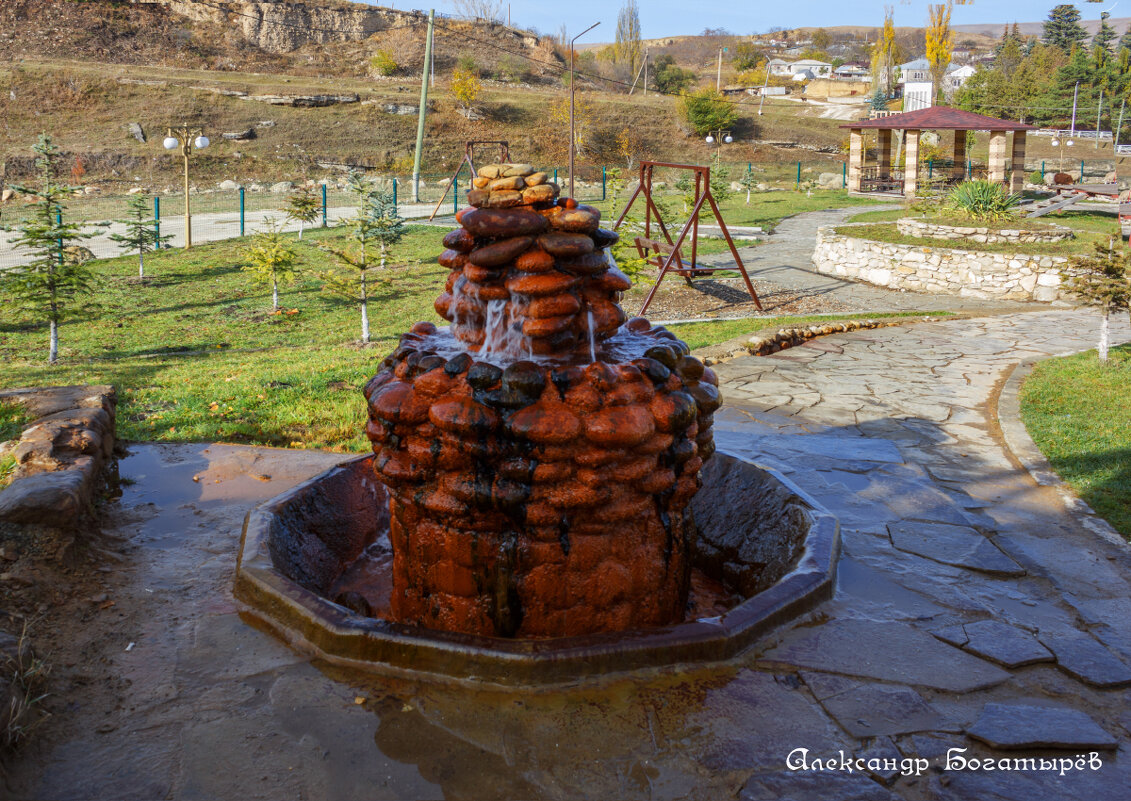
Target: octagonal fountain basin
315, 565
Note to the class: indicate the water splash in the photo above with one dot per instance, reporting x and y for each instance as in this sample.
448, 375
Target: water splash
592, 336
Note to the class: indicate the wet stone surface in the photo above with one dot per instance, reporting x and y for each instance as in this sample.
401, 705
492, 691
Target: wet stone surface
207, 705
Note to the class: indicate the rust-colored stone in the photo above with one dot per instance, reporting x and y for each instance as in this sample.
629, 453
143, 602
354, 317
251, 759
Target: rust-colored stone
588, 264
501, 199
565, 245
546, 326
553, 306
540, 284
535, 260
503, 222
542, 193
459, 239
501, 252
510, 182
452, 259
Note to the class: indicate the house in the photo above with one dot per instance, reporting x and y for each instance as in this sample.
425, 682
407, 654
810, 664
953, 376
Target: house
779, 66
918, 95
809, 68
956, 76
852, 72
915, 71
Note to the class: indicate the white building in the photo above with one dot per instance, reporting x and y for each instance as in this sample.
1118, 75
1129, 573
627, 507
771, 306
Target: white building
956, 76
915, 71
918, 95
852, 72
779, 66
803, 70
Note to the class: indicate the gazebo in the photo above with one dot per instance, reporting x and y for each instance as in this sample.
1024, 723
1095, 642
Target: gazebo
884, 178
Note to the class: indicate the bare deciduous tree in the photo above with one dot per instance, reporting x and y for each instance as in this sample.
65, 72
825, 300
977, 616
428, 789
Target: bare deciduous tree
478, 9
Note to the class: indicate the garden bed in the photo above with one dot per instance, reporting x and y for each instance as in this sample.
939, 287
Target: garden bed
1007, 233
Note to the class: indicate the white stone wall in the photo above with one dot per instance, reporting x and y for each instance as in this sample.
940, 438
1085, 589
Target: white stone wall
1000, 276
909, 226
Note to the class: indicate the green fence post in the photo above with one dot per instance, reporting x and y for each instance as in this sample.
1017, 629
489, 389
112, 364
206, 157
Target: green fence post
555, 174
325, 221
799, 174
455, 195
604, 182
1081, 170
930, 168
59, 222
749, 167
1042, 172
844, 175
157, 218
394, 192
243, 207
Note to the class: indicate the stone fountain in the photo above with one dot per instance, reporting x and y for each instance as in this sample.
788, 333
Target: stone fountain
539, 456
544, 500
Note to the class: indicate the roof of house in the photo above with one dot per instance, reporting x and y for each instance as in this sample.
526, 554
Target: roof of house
917, 64
941, 118
811, 62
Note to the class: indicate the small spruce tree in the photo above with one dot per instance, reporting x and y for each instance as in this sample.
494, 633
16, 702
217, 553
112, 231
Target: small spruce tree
303, 205
748, 182
1102, 279
49, 285
141, 235
271, 260
374, 231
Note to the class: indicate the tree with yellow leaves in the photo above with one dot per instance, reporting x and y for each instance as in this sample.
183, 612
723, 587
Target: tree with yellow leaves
886, 53
940, 39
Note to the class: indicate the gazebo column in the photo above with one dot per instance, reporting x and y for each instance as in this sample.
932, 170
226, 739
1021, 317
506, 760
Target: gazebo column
883, 152
911, 163
959, 156
1017, 162
855, 158
998, 152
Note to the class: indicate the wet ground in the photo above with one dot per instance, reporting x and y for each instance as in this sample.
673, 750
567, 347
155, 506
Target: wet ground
967, 595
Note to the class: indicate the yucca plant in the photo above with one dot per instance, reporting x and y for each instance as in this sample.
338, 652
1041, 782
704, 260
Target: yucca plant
983, 200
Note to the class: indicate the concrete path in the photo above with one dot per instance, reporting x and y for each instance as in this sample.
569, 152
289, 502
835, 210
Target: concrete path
786, 259
973, 615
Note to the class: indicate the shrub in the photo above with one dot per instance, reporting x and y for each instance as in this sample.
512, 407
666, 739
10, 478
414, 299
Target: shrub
669, 78
1035, 177
707, 110
467, 64
511, 69
465, 86
383, 63
983, 200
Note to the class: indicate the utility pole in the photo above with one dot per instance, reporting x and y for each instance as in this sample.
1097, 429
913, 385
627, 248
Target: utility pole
1075, 94
719, 77
1099, 113
423, 109
1118, 127
762, 94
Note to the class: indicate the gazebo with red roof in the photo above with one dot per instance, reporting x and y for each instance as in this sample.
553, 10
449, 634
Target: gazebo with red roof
884, 178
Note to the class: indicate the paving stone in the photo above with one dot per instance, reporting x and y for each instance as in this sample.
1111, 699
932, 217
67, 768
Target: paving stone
954, 635
961, 546
881, 753
881, 709
813, 787
886, 651
1017, 726
1080, 656
1007, 645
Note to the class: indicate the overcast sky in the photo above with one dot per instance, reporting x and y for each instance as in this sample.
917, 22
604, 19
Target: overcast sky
660, 18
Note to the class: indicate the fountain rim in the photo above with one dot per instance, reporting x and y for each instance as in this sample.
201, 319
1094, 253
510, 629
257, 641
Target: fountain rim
318, 626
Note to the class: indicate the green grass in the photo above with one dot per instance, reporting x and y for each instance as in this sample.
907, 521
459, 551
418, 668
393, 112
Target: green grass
196, 355
7, 469
1078, 411
700, 335
889, 233
13, 418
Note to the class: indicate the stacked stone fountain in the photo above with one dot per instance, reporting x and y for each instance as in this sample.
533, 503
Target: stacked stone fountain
541, 452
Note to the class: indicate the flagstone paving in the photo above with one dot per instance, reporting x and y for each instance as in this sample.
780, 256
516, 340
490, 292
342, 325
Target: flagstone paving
892, 430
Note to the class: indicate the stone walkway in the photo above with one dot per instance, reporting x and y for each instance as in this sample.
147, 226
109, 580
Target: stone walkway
786, 260
972, 612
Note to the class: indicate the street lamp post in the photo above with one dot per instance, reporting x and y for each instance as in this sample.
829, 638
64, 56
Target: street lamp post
187, 139
1061, 143
572, 140
722, 137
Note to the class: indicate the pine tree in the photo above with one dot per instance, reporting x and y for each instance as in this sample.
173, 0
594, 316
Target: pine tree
141, 235
270, 259
749, 183
1105, 36
1102, 279
50, 285
1062, 28
374, 230
1125, 40
303, 205
879, 100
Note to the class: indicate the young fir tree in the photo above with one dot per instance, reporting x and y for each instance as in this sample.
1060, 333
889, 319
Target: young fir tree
303, 205
748, 182
1105, 37
1102, 279
1124, 40
49, 285
141, 235
879, 100
271, 260
374, 231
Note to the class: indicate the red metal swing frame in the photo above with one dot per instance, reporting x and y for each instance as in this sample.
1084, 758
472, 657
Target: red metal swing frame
469, 160
654, 252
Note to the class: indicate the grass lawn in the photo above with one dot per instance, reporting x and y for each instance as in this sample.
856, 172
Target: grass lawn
1079, 414
888, 232
196, 355
1098, 224
700, 335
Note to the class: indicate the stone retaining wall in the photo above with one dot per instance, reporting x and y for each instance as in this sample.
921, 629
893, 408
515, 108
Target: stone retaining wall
909, 226
1001, 276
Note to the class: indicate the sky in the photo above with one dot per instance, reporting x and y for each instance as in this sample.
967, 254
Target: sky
660, 18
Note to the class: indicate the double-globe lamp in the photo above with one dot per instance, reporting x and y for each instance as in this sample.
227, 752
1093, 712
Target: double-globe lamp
188, 140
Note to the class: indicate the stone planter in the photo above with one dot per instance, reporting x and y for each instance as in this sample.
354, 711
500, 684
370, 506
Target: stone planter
909, 226
967, 273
